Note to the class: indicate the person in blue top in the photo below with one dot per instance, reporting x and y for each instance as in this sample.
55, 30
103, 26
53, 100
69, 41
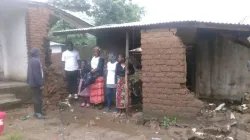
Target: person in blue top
35, 81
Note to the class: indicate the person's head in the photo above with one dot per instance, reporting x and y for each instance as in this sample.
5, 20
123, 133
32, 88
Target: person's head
84, 63
97, 51
35, 52
113, 59
70, 46
121, 58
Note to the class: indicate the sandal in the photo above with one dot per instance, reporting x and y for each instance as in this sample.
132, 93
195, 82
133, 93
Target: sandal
83, 105
87, 105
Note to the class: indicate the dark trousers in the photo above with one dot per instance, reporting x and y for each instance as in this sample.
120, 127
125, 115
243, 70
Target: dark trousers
110, 94
72, 81
38, 102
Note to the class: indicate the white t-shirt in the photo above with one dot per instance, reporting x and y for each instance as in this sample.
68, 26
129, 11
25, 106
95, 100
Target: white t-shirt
111, 73
94, 62
71, 60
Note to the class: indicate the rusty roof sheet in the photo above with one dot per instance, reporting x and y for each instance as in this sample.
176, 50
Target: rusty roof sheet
172, 24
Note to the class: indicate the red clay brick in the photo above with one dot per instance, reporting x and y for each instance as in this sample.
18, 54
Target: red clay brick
164, 73
167, 91
165, 57
171, 62
159, 75
165, 68
160, 62
156, 69
178, 68
147, 57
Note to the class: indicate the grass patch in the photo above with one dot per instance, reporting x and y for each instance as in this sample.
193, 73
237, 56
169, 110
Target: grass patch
15, 136
169, 121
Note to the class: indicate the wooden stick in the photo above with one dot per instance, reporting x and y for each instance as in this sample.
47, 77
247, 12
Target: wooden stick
126, 74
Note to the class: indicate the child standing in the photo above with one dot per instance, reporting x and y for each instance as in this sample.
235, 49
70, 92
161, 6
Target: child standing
84, 92
111, 81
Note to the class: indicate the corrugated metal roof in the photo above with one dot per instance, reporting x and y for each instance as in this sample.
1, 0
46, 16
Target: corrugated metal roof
54, 43
198, 24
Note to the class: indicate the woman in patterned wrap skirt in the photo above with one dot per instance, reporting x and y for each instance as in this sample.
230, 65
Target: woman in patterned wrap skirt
121, 99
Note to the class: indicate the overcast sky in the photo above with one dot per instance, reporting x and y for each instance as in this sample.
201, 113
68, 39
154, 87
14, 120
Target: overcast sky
228, 11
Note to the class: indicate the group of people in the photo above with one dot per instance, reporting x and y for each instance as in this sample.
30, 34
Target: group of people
87, 80
84, 80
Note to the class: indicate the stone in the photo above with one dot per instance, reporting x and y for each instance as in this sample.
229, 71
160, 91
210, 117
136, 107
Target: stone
220, 107
154, 124
212, 130
229, 138
217, 130
137, 115
232, 117
92, 123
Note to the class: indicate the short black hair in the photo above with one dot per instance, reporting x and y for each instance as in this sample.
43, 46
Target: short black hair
85, 61
69, 43
122, 55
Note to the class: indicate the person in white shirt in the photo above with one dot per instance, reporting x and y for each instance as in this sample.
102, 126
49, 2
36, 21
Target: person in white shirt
70, 59
111, 81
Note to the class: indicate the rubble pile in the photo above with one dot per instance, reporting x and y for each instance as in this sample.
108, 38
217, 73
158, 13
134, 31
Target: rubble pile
54, 87
224, 121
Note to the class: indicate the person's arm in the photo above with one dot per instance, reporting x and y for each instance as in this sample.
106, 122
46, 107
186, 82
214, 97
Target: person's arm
107, 69
78, 59
116, 72
88, 69
37, 73
131, 69
100, 65
28, 72
63, 63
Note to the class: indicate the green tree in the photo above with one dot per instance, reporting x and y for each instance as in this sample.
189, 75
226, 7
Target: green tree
78, 39
104, 11
115, 11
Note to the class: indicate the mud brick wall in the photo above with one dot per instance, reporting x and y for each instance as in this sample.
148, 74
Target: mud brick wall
164, 75
37, 22
38, 19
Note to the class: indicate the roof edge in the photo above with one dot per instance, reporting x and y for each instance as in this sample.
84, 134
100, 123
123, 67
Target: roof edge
170, 24
54, 8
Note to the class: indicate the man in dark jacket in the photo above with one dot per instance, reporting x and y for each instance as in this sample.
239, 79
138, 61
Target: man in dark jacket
35, 80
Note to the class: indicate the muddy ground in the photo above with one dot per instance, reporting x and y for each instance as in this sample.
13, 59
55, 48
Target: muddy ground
81, 124
214, 122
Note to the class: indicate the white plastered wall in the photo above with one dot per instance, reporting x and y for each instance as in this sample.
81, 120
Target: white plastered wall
2, 44
13, 45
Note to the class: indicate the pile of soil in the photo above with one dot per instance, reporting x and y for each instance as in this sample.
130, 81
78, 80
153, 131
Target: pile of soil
55, 88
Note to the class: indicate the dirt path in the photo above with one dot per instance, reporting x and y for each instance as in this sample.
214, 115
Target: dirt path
81, 124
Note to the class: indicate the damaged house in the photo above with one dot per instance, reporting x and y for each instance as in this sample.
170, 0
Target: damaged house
182, 61
24, 25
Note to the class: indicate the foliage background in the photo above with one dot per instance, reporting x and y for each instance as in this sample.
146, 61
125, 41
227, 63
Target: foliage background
102, 11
